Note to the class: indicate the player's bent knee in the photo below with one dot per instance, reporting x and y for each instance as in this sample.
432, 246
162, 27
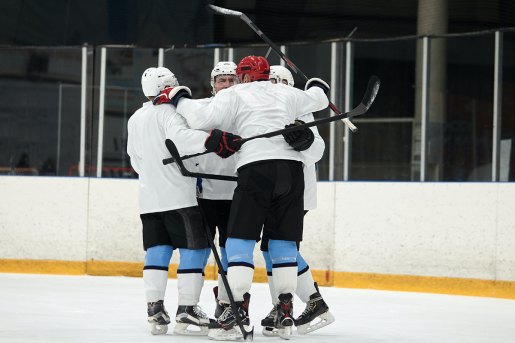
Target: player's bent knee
159, 255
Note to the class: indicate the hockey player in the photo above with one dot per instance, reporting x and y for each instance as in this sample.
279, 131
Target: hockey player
168, 206
307, 289
270, 180
215, 196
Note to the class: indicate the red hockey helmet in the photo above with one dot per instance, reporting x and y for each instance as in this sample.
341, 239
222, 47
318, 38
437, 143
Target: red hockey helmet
256, 67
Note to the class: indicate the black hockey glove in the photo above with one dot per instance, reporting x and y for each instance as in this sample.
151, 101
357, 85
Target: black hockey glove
299, 140
224, 144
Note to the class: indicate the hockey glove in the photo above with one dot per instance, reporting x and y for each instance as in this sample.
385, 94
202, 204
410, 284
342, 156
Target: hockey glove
224, 144
299, 140
172, 95
318, 83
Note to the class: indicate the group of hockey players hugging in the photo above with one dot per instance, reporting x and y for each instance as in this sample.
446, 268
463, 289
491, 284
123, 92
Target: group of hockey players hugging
275, 189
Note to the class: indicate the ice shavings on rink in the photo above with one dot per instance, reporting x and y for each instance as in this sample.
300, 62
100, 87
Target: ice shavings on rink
55, 308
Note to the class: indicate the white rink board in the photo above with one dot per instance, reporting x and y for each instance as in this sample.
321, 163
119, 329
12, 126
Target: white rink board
43, 218
432, 229
463, 230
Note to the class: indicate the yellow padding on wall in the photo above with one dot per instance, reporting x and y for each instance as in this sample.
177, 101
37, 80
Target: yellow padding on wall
42, 267
426, 284
403, 283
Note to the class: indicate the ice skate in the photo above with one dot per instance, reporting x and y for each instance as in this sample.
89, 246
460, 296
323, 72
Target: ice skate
219, 308
284, 316
158, 318
268, 324
315, 316
226, 327
191, 321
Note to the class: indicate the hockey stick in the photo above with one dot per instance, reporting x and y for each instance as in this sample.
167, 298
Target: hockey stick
247, 335
185, 172
371, 93
224, 11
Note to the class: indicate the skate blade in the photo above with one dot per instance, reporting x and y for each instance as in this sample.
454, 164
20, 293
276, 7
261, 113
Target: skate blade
285, 333
182, 329
270, 331
233, 334
323, 320
157, 329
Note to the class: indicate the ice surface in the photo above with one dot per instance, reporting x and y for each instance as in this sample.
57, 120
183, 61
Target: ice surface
55, 308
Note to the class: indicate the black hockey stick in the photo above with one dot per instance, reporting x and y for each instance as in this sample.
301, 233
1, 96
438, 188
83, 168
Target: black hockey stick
247, 335
224, 11
185, 172
368, 99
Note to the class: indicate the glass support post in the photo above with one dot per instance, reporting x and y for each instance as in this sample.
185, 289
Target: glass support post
424, 103
101, 110
161, 58
83, 92
217, 56
331, 113
497, 104
349, 78
283, 50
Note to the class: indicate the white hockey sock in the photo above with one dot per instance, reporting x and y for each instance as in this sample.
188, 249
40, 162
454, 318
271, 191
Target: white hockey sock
273, 293
285, 279
222, 292
155, 284
240, 280
305, 286
189, 286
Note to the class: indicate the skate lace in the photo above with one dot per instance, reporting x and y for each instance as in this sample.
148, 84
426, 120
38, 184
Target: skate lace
225, 314
272, 313
310, 305
198, 310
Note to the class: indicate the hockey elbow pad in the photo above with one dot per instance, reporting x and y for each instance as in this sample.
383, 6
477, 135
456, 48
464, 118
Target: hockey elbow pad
318, 83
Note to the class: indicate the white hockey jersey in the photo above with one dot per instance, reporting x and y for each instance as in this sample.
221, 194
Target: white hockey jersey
255, 108
162, 188
309, 158
213, 164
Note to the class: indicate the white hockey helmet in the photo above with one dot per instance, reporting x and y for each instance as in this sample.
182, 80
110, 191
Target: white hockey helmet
280, 74
154, 80
222, 68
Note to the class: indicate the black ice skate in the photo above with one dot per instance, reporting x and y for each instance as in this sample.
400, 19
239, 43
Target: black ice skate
191, 315
315, 316
284, 316
158, 318
219, 308
226, 328
268, 324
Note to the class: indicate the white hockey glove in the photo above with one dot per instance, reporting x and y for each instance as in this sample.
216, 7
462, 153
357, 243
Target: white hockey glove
172, 95
318, 83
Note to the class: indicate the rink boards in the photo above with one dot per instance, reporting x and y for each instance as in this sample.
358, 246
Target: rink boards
451, 238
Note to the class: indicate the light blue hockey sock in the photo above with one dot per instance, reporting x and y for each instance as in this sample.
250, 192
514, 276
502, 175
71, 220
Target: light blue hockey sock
284, 265
155, 271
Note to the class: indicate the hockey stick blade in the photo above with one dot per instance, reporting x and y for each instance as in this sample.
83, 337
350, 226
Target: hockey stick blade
223, 11
177, 157
182, 168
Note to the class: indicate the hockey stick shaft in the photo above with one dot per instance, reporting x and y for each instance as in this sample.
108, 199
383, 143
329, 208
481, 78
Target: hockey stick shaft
246, 334
223, 11
366, 102
185, 172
